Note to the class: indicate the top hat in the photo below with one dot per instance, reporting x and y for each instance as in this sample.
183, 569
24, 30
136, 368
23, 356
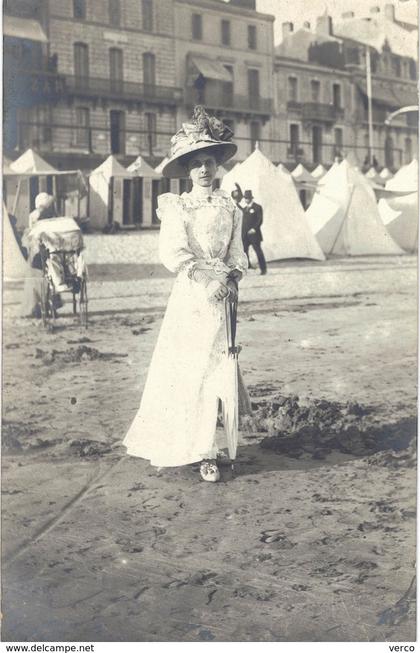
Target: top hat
203, 133
248, 195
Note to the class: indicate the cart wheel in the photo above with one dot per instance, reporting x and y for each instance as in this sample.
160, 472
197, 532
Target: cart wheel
48, 311
83, 303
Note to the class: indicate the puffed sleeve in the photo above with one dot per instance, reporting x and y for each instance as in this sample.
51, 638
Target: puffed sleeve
236, 257
174, 250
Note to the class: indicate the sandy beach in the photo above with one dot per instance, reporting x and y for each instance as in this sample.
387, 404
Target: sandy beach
312, 539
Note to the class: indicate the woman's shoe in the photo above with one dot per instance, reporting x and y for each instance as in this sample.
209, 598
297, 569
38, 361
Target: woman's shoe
223, 459
209, 471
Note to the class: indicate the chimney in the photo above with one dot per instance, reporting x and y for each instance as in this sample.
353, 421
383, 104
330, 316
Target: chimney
307, 24
375, 10
287, 29
324, 24
390, 12
347, 15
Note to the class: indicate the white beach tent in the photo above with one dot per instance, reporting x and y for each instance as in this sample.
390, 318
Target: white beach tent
301, 175
374, 177
386, 174
344, 216
285, 229
14, 264
329, 173
319, 172
399, 212
106, 193
142, 193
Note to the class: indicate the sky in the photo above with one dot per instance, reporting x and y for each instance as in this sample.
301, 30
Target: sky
298, 11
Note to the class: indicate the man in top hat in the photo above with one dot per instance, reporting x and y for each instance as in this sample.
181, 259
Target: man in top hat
251, 229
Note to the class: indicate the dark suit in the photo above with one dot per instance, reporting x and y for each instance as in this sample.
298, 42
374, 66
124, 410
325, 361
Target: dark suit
251, 232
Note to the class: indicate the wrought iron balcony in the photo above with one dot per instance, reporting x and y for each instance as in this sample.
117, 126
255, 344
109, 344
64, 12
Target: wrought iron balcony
220, 100
61, 85
121, 89
321, 112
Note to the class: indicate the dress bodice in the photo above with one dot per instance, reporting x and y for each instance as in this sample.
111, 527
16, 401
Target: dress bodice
200, 228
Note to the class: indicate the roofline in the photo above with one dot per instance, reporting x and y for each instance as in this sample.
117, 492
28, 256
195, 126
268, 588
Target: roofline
225, 7
286, 62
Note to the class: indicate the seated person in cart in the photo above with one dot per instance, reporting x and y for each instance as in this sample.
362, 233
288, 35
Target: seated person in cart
49, 240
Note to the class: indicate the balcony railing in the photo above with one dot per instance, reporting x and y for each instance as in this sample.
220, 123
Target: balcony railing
94, 87
321, 112
115, 88
218, 100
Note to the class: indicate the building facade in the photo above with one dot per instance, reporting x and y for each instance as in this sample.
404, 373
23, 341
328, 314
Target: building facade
110, 69
224, 59
322, 90
86, 78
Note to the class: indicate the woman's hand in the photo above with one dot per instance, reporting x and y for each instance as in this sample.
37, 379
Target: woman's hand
217, 291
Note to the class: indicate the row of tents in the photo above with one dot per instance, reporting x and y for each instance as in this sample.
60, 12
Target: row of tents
344, 217
350, 213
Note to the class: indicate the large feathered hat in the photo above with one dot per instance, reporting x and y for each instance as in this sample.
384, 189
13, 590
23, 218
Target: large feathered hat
203, 133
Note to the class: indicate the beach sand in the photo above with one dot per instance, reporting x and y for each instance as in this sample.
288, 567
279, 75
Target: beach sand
312, 538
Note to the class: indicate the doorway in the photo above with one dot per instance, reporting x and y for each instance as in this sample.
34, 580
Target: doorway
133, 201
117, 121
316, 144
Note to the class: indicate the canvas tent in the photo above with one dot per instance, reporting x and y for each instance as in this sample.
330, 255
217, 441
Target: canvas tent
30, 174
344, 216
141, 193
319, 172
285, 229
374, 177
14, 264
301, 175
386, 175
399, 210
106, 193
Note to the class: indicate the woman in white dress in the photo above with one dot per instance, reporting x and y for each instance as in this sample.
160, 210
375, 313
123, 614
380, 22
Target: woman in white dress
200, 240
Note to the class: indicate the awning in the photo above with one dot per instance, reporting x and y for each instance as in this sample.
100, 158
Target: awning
211, 68
23, 28
381, 95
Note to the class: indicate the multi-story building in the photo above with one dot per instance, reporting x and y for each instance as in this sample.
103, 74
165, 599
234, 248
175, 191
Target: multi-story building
322, 90
224, 60
89, 78
102, 80
86, 78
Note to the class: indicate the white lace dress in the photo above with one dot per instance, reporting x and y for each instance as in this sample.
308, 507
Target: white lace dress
176, 422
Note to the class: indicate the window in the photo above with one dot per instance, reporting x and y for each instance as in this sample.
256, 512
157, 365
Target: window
294, 139
338, 141
44, 131
408, 150
151, 130
315, 90
255, 132
149, 69
225, 26
396, 65
81, 62
230, 123
227, 89
116, 69
389, 152
337, 96
253, 88
147, 15
413, 69
81, 133
197, 27
114, 11
79, 9
252, 37
292, 89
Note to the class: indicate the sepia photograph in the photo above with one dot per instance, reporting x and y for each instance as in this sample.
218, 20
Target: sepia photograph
210, 331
